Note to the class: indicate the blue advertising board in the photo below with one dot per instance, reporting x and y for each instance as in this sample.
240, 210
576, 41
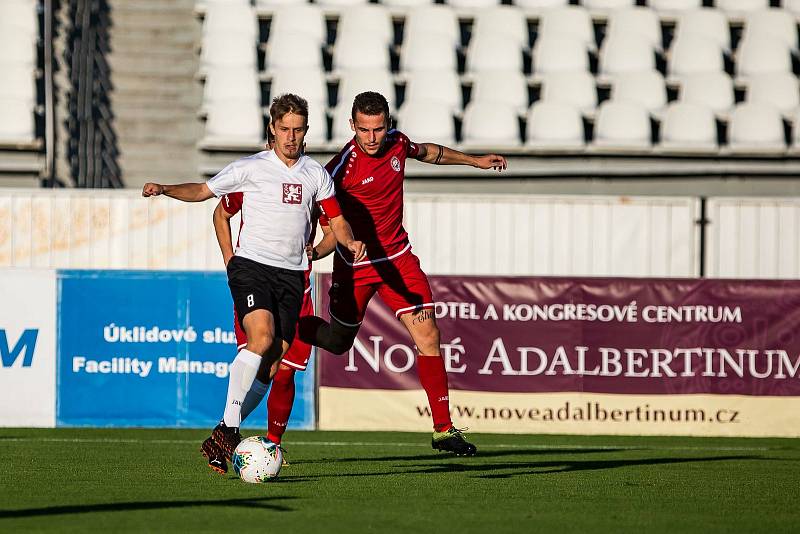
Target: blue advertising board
151, 349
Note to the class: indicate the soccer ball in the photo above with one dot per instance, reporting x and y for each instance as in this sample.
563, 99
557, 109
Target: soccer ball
257, 459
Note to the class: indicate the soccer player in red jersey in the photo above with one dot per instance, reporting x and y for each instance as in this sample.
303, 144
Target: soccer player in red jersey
368, 174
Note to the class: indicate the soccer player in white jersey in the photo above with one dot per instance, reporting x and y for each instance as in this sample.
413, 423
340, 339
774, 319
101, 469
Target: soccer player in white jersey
266, 274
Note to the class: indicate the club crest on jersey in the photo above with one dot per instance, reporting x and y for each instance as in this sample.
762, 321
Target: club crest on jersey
292, 193
395, 164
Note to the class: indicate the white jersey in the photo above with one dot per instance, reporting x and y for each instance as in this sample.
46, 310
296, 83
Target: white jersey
277, 207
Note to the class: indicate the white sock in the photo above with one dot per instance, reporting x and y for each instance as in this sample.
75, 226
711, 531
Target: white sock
242, 373
253, 397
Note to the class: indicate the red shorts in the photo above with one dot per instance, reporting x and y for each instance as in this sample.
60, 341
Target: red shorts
400, 282
299, 352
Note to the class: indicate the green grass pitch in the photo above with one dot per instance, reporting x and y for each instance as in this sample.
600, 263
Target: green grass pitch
156, 480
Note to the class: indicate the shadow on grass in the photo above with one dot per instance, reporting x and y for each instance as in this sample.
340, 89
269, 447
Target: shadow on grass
440, 456
257, 503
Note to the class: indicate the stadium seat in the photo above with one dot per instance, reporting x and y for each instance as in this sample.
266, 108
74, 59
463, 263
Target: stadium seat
354, 82
232, 122
441, 86
644, 88
779, 89
554, 125
626, 53
472, 4
228, 50
756, 127
407, 3
568, 22
427, 122
304, 19
17, 125
792, 5
239, 19
692, 54
778, 23
674, 7
16, 47
231, 83
494, 53
427, 52
373, 16
575, 89
317, 125
438, 19
540, 5
340, 130
711, 89
18, 84
340, 4
622, 125
607, 5
762, 54
505, 87
508, 21
559, 54
688, 128
20, 16
739, 8
708, 23
351, 53
286, 51
308, 83
636, 20
490, 124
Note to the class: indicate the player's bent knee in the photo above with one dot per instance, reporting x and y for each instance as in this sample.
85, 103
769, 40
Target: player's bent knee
341, 342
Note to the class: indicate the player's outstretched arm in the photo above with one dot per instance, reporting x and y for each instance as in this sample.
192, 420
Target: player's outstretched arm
344, 235
191, 192
222, 227
442, 155
326, 245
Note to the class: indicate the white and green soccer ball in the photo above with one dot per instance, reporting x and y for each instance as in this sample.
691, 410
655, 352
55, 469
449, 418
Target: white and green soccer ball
257, 460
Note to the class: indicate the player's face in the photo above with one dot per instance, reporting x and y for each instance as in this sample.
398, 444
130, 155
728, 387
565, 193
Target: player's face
289, 131
370, 131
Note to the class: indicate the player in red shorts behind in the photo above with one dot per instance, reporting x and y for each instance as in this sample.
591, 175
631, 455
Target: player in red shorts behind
368, 174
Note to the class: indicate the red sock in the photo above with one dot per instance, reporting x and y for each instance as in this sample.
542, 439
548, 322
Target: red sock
433, 378
279, 403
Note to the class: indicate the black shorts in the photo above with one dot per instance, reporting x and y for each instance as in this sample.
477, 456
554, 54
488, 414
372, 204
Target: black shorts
255, 286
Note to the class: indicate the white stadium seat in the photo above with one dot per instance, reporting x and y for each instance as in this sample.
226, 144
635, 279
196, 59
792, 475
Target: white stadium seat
375, 17
554, 125
442, 86
711, 89
20, 16
688, 127
540, 5
508, 21
577, 90
272, 4
317, 125
427, 122
427, 52
505, 87
231, 83
692, 54
778, 89
239, 19
354, 82
228, 50
340, 4
340, 130
777, 23
709, 23
644, 88
792, 5
761, 54
756, 127
232, 122
438, 19
407, 3
16, 47
471, 4
626, 53
308, 83
674, 7
286, 51
622, 125
493, 53
570, 22
559, 54
17, 125
490, 124
350, 52
607, 5
306, 20
18, 84
739, 8
636, 20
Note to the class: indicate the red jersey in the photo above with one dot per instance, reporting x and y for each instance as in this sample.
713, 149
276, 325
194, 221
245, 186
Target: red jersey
370, 192
232, 203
